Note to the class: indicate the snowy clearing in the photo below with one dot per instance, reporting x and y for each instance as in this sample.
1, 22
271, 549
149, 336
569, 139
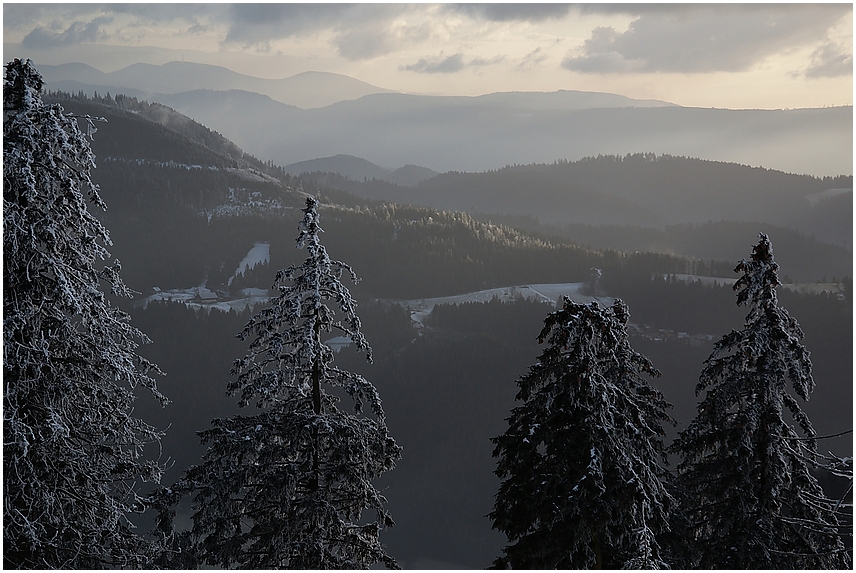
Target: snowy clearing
259, 254
831, 289
248, 174
815, 198
551, 293
707, 281
201, 298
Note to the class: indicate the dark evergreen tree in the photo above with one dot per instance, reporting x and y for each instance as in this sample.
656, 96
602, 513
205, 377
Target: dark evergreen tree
72, 450
287, 487
751, 499
582, 459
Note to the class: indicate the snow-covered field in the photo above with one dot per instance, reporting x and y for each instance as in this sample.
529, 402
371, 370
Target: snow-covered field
707, 281
815, 198
260, 253
551, 293
832, 289
200, 298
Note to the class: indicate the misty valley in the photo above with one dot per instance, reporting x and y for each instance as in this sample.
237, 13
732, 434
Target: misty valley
474, 290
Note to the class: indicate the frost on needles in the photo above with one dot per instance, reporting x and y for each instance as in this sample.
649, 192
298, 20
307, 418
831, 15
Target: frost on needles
582, 460
287, 488
72, 449
747, 491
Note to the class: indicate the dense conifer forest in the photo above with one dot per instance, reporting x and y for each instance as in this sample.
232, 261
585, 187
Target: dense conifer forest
184, 207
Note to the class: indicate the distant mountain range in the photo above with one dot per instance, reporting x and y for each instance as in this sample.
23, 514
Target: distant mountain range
360, 169
316, 115
306, 90
321, 115
640, 190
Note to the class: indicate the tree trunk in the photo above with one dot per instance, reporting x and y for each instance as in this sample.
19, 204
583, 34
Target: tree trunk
316, 407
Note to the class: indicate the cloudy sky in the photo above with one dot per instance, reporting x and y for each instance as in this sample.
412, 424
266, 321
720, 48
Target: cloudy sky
723, 55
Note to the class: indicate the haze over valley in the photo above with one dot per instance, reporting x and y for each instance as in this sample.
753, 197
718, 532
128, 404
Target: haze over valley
473, 165
288, 121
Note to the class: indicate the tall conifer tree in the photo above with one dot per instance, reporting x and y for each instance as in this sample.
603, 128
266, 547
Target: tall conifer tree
287, 487
751, 500
72, 450
581, 461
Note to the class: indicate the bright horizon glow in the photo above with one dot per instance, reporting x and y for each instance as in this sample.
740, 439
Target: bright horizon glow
734, 56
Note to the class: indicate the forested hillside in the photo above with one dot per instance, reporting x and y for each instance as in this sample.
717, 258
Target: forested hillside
196, 215
185, 206
643, 189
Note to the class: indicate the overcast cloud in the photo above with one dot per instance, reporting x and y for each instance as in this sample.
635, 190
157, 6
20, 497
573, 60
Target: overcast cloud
721, 38
437, 65
477, 47
663, 38
254, 24
512, 12
77, 33
830, 60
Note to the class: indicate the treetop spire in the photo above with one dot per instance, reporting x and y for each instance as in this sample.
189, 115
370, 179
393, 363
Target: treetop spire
760, 277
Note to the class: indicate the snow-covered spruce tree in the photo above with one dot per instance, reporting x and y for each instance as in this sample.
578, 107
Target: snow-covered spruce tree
750, 498
582, 459
287, 488
72, 450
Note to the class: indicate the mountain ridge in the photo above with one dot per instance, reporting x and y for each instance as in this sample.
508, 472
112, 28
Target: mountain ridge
304, 90
447, 134
643, 190
479, 133
593, 191
357, 168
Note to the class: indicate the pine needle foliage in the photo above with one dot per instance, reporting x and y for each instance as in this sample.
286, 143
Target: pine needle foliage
72, 450
287, 488
751, 500
582, 460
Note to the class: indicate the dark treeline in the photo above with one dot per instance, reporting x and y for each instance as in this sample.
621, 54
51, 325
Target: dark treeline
158, 216
806, 258
151, 140
449, 387
176, 227
637, 189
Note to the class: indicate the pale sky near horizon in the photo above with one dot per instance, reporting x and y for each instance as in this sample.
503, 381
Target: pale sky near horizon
765, 56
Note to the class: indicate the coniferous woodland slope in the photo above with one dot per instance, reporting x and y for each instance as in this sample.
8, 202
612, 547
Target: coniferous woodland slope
184, 206
176, 207
641, 190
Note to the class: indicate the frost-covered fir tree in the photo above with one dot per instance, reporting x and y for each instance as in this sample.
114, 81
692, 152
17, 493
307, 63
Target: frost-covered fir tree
582, 459
72, 450
288, 487
750, 497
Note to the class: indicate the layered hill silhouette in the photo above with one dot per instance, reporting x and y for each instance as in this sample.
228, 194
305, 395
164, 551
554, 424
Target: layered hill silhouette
478, 134
305, 90
360, 169
595, 201
271, 120
643, 190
